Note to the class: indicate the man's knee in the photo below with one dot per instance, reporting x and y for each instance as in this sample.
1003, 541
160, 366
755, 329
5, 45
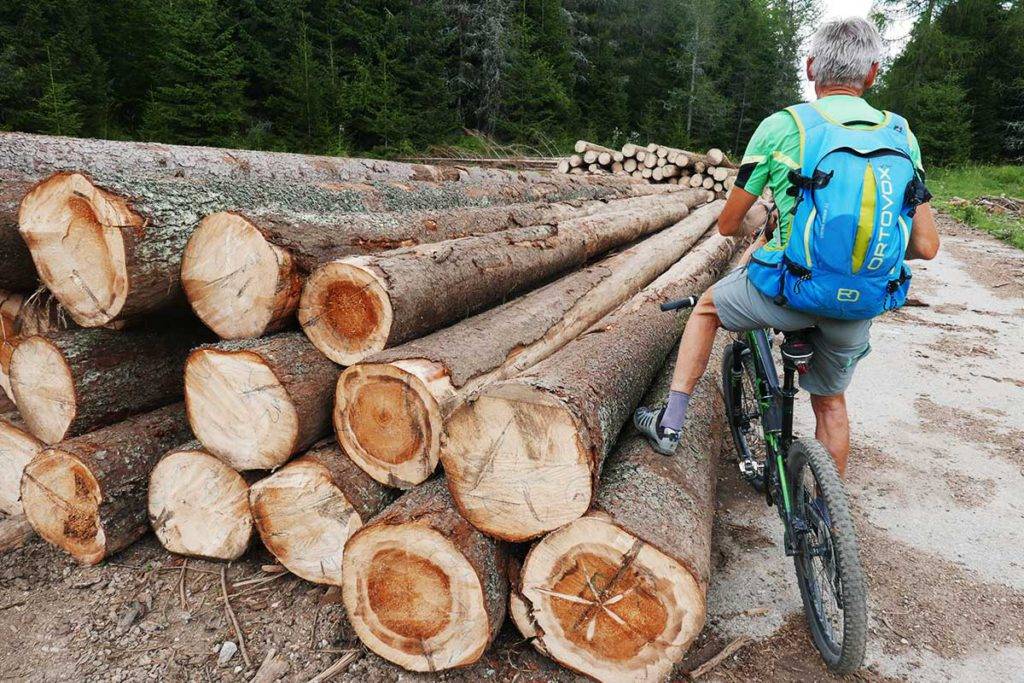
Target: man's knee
829, 407
705, 308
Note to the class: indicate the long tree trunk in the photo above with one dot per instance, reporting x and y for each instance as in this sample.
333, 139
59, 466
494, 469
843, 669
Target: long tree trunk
17, 448
242, 273
35, 156
389, 410
87, 495
198, 505
306, 511
421, 586
525, 456
109, 244
620, 593
72, 382
353, 307
18, 273
255, 402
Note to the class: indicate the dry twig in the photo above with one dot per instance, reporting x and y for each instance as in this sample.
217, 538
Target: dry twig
728, 651
232, 618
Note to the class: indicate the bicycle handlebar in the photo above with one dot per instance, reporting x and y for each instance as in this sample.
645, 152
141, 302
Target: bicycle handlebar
688, 302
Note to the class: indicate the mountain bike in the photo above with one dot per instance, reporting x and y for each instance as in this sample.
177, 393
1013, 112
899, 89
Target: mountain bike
799, 478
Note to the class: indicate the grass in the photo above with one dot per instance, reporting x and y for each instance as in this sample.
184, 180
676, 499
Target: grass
971, 182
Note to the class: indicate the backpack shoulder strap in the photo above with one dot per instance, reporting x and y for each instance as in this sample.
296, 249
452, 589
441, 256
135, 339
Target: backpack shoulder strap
809, 121
900, 129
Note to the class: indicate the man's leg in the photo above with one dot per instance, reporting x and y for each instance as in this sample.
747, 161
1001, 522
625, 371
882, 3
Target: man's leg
839, 345
832, 427
695, 346
732, 303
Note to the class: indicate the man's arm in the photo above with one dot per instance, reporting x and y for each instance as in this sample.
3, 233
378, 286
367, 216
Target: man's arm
924, 236
738, 218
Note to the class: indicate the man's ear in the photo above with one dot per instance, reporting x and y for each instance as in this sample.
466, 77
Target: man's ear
872, 74
810, 71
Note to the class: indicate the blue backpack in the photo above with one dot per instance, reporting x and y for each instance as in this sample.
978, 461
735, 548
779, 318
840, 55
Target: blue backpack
856, 192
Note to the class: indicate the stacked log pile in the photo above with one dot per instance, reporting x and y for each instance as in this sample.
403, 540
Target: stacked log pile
655, 164
182, 328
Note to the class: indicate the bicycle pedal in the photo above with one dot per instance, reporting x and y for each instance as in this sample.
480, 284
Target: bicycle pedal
751, 468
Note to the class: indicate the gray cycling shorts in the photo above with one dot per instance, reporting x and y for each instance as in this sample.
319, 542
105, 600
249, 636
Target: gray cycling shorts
838, 344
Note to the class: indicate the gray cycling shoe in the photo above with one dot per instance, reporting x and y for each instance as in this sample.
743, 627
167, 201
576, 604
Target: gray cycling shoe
646, 421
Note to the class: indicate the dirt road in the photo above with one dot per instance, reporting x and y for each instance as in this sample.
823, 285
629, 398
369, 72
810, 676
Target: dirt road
937, 477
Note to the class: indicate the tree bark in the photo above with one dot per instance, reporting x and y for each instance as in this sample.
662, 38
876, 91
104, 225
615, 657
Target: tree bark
109, 244
525, 456
389, 410
422, 587
198, 506
17, 448
18, 273
35, 156
353, 307
647, 538
87, 495
254, 403
584, 146
242, 272
306, 511
72, 382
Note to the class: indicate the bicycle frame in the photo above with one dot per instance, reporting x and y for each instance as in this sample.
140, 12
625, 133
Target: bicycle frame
775, 401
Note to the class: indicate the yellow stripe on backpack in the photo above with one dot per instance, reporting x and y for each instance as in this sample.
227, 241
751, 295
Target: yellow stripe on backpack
866, 222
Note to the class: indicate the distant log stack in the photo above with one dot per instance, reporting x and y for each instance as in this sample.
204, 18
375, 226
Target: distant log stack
620, 593
353, 307
198, 506
523, 458
390, 409
307, 510
656, 163
87, 495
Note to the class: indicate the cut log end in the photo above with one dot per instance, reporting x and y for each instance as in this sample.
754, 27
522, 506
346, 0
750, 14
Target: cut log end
304, 520
44, 388
608, 605
413, 598
73, 229
514, 463
237, 282
388, 422
239, 409
17, 448
62, 498
199, 506
345, 311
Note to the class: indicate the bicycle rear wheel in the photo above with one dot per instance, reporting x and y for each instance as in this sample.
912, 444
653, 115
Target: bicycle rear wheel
743, 412
828, 568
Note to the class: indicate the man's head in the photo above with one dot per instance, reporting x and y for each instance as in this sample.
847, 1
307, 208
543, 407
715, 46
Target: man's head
844, 54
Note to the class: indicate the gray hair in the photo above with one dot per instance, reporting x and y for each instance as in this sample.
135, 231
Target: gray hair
844, 51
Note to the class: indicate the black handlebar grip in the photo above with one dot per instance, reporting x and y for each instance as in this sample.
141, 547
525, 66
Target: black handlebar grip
688, 302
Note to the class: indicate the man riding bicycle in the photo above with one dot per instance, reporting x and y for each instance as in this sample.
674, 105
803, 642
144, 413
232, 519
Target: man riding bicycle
846, 179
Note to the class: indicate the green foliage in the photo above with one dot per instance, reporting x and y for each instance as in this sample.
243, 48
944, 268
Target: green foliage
958, 80
398, 76
972, 181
